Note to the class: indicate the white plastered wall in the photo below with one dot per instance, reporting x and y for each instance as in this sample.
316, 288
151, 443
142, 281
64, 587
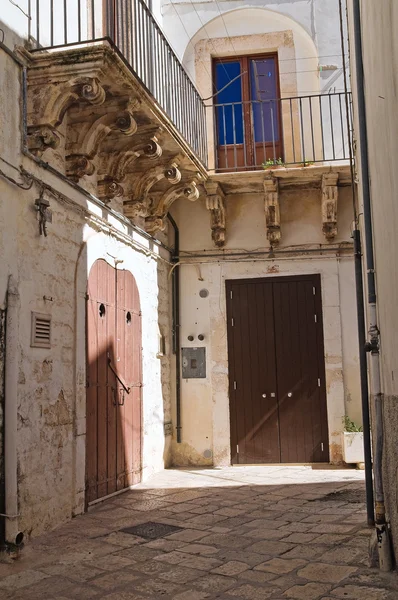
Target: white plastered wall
50, 275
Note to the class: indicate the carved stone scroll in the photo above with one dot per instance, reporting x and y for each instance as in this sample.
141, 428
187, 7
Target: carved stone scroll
42, 138
330, 194
215, 203
156, 220
272, 212
107, 189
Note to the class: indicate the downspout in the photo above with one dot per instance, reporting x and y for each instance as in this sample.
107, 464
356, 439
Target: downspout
363, 363
13, 535
176, 322
384, 547
3, 316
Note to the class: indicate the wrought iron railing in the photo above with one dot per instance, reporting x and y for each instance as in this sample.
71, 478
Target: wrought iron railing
133, 31
288, 131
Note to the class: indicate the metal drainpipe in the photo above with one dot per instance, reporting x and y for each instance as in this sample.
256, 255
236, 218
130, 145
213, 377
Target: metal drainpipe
363, 362
176, 322
385, 555
3, 316
13, 535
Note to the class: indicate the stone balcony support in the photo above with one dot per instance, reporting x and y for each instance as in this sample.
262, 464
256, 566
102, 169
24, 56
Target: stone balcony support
330, 194
215, 203
272, 212
89, 113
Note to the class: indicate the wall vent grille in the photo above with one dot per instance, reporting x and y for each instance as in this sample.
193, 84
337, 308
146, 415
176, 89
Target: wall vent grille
41, 331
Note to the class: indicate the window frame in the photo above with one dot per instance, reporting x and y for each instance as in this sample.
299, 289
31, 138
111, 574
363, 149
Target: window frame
249, 146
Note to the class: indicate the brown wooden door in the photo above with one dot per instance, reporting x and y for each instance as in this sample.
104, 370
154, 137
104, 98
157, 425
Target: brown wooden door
276, 369
113, 414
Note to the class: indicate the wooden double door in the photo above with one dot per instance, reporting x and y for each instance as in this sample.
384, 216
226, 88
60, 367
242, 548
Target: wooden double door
278, 411
113, 412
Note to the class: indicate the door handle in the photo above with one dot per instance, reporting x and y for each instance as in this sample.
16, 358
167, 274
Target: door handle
290, 395
273, 394
264, 395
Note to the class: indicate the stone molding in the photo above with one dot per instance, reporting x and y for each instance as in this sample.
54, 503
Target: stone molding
272, 211
330, 194
215, 203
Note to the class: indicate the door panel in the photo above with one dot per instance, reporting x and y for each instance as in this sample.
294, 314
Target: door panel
254, 419
275, 343
113, 459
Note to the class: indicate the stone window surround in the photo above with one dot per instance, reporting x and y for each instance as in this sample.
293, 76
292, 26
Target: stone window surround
281, 42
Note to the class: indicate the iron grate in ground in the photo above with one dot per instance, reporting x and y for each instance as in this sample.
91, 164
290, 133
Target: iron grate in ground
151, 530
350, 496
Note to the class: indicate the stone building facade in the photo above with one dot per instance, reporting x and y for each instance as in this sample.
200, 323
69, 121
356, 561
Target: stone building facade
96, 151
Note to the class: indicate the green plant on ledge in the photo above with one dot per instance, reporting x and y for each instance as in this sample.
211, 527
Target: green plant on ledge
349, 426
273, 162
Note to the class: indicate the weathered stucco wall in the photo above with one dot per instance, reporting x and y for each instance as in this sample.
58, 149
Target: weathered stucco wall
380, 56
315, 25
51, 277
205, 403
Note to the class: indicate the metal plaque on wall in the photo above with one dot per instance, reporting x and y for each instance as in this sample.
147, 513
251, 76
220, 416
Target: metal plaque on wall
193, 363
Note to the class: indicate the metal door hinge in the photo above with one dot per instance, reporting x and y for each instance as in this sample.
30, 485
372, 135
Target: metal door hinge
237, 449
319, 382
231, 294
232, 322
235, 386
316, 319
322, 446
314, 291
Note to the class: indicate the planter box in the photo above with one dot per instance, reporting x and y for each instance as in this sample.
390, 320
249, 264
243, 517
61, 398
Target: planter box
353, 447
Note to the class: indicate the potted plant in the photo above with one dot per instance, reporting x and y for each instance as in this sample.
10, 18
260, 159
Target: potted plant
273, 163
352, 442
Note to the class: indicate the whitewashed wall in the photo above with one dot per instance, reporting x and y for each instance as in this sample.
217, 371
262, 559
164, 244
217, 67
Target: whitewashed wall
50, 275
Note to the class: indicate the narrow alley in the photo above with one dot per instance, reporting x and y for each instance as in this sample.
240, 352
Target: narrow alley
241, 532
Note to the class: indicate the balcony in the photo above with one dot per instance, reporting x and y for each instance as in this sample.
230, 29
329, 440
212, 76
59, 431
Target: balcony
109, 105
133, 32
269, 134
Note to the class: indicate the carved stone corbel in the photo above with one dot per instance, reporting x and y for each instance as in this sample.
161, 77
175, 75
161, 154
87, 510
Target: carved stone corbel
114, 166
215, 203
41, 138
272, 212
157, 218
330, 194
108, 189
47, 105
85, 138
78, 166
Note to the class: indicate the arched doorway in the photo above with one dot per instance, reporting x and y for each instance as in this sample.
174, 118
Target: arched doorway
114, 381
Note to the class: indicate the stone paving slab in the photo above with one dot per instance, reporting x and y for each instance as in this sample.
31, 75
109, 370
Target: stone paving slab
247, 533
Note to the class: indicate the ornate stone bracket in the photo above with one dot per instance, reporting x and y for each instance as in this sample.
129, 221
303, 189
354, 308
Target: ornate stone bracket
141, 205
330, 194
215, 203
156, 220
87, 104
272, 212
114, 167
86, 138
47, 105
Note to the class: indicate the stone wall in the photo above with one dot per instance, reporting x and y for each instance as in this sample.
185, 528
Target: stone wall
205, 402
50, 275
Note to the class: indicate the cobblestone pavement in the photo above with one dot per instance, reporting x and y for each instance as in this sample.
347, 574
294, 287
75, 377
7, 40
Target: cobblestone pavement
245, 533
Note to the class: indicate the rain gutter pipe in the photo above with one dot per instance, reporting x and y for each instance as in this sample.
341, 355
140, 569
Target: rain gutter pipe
176, 322
383, 541
363, 360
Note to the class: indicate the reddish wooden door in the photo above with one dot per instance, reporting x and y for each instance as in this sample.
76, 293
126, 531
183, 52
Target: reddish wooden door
276, 368
113, 414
